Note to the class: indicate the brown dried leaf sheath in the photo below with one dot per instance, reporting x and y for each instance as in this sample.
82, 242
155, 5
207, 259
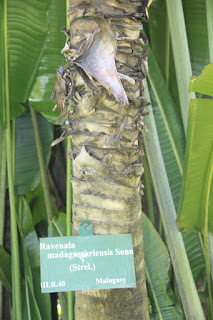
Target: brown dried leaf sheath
97, 57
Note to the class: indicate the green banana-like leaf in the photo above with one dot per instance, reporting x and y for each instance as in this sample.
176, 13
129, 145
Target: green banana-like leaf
42, 299
197, 34
3, 170
29, 307
157, 263
172, 143
169, 126
196, 206
2, 115
159, 39
5, 269
169, 114
194, 253
27, 29
50, 61
27, 38
35, 199
36, 303
183, 272
204, 82
26, 227
57, 227
27, 171
24, 260
196, 194
34, 41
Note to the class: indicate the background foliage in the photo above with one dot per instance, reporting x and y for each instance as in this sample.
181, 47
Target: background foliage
182, 148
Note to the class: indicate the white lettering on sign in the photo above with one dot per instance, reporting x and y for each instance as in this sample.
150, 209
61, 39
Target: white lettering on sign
123, 252
81, 254
79, 267
69, 245
110, 280
87, 263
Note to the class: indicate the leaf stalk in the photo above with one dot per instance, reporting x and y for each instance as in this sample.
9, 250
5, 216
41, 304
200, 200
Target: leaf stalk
42, 166
186, 285
17, 306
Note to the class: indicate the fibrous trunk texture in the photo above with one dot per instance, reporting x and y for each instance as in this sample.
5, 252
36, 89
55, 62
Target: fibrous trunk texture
101, 84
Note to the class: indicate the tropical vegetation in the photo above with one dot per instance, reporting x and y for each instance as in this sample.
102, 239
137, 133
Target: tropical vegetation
177, 138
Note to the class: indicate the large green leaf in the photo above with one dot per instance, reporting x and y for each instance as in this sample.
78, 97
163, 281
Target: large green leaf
2, 117
195, 15
27, 172
167, 210
181, 55
36, 303
27, 38
29, 305
2, 182
199, 129
197, 35
158, 25
204, 82
172, 142
5, 269
169, 114
24, 260
34, 44
194, 253
209, 13
169, 126
43, 299
157, 263
160, 42
57, 227
189, 39
51, 59
26, 227
36, 201
198, 159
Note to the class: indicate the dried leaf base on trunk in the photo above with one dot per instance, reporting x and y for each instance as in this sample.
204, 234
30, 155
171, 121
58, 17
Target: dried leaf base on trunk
102, 85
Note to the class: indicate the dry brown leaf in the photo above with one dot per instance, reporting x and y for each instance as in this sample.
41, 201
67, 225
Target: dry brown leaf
97, 58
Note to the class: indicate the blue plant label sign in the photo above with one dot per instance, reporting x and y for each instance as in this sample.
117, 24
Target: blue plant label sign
87, 262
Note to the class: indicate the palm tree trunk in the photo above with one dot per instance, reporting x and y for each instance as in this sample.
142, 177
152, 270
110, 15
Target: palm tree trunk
105, 121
